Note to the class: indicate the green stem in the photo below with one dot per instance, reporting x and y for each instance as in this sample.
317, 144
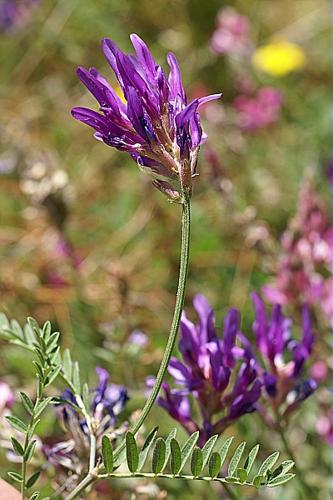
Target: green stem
24, 470
307, 489
92, 455
180, 295
233, 495
26, 444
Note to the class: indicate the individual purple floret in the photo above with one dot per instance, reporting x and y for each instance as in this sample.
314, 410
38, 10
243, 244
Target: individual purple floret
155, 124
221, 376
283, 358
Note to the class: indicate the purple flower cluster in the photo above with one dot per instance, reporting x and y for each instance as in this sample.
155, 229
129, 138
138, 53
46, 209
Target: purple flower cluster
15, 13
155, 124
283, 358
221, 376
304, 269
259, 111
227, 379
232, 34
107, 403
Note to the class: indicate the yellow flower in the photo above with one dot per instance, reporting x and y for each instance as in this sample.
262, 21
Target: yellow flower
279, 58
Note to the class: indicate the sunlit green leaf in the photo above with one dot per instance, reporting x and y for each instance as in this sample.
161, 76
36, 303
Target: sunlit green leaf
132, 453
158, 456
107, 453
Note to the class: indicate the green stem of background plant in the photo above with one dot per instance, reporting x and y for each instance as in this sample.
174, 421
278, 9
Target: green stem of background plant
180, 296
307, 490
26, 444
232, 494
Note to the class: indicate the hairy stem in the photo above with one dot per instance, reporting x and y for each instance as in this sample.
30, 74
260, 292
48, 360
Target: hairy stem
26, 444
180, 295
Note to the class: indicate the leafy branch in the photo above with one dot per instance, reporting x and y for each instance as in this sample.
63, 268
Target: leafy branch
49, 365
169, 459
45, 346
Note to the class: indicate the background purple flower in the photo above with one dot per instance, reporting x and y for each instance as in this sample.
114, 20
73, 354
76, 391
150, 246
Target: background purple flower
15, 13
283, 358
232, 34
258, 111
107, 402
304, 268
220, 376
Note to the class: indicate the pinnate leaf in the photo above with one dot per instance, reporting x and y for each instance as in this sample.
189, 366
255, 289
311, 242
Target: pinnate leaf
146, 447
188, 448
214, 465
268, 463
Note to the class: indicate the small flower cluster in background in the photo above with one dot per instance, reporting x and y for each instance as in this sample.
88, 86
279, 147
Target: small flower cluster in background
304, 268
15, 14
259, 111
232, 33
282, 359
108, 401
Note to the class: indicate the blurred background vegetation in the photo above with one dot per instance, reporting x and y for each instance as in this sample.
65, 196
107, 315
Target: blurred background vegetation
86, 242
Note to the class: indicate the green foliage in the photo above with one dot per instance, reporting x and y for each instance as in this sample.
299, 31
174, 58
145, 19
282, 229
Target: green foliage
169, 458
204, 463
107, 454
132, 454
159, 456
49, 365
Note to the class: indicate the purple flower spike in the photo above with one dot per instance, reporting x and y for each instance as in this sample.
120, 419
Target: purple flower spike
221, 376
283, 358
156, 125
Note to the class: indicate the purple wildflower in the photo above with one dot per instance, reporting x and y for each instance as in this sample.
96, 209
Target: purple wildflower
259, 111
138, 339
283, 358
7, 397
221, 376
107, 402
232, 34
156, 125
15, 13
304, 268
